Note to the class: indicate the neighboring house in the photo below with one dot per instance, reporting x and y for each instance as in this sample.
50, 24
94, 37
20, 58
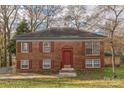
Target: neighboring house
108, 59
118, 51
57, 48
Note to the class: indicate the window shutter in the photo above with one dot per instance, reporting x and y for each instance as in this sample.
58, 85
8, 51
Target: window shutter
101, 47
52, 46
83, 48
41, 64
83, 64
30, 64
19, 47
52, 64
30, 47
41, 46
18, 64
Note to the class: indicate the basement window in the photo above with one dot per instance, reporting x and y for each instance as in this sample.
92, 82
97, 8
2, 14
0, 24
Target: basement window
47, 64
24, 64
92, 63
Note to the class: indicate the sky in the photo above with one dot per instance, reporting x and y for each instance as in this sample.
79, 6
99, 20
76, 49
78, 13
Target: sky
62, 2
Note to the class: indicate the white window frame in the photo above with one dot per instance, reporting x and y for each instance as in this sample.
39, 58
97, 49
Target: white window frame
22, 63
93, 48
44, 63
22, 50
44, 47
93, 62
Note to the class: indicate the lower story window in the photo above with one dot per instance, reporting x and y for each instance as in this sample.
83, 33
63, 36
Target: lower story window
92, 63
24, 64
47, 64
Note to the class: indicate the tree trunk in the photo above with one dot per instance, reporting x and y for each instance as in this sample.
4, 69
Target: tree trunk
10, 54
113, 62
47, 23
5, 47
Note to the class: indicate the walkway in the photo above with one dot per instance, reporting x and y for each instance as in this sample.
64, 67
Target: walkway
25, 76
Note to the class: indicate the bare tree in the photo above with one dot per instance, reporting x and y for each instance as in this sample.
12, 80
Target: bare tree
76, 16
8, 16
1, 44
111, 21
52, 12
38, 15
35, 16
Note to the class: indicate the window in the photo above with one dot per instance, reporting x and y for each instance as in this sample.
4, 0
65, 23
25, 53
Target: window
46, 47
24, 64
92, 47
24, 47
92, 63
46, 63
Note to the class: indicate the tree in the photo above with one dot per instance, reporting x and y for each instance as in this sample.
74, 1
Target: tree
76, 16
35, 16
1, 46
21, 29
51, 13
8, 14
112, 21
38, 15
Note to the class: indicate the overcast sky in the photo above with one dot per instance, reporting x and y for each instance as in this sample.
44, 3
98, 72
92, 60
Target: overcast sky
62, 2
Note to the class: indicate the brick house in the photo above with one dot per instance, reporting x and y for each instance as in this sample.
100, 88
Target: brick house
57, 48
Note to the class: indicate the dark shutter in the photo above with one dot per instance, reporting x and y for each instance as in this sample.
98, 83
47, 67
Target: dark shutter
83, 48
30, 64
41, 64
41, 46
52, 64
18, 47
102, 53
30, 47
83, 63
83, 53
52, 46
18, 64
101, 48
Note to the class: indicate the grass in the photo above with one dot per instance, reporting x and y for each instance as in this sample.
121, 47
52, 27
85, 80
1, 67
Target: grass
84, 79
119, 71
60, 83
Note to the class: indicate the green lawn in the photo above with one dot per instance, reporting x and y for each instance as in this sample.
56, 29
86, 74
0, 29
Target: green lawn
84, 79
60, 83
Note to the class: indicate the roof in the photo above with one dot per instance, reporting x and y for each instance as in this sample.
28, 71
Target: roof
110, 54
58, 34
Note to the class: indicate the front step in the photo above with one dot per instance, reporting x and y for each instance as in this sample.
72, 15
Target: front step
67, 66
67, 69
67, 72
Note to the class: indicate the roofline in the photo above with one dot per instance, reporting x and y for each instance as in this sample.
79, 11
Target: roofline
58, 40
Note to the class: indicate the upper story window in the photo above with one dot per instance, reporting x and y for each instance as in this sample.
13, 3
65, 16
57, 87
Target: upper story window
46, 47
92, 63
24, 47
92, 48
24, 64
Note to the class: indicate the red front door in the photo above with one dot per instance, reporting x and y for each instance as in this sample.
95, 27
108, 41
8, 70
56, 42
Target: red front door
67, 57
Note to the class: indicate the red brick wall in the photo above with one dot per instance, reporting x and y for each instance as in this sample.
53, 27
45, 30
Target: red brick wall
37, 56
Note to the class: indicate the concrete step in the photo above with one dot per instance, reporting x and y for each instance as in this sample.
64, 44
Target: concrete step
67, 72
68, 69
62, 71
67, 66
